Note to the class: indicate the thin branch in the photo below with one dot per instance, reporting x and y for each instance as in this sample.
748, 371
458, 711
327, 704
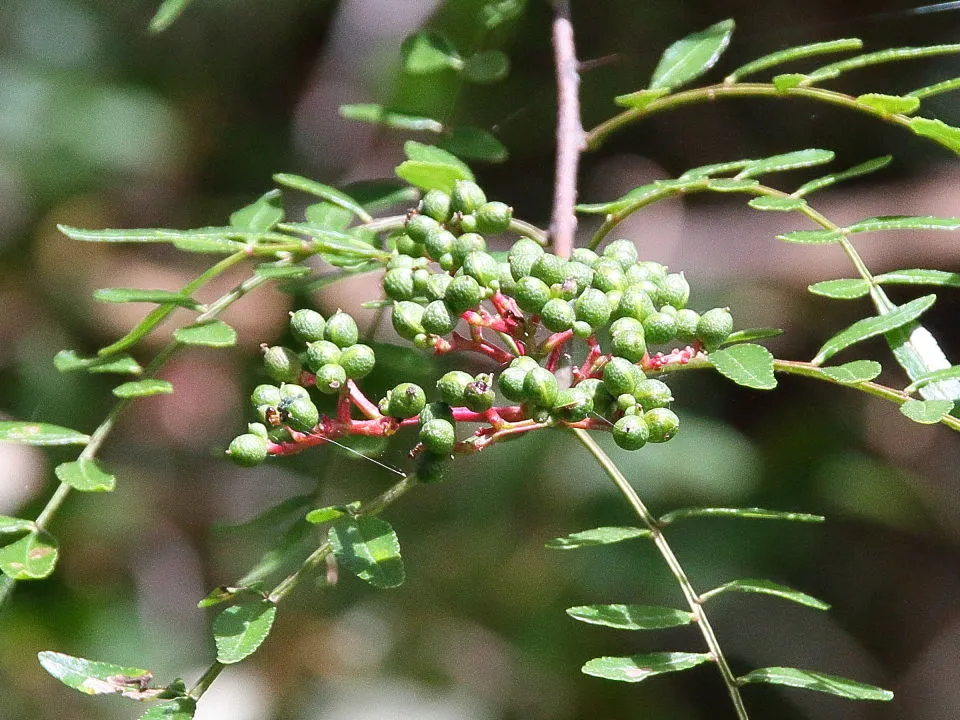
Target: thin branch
571, 139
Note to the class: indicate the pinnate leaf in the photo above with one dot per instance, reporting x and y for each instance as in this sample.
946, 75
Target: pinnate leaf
833, 70
420, 152
795, 53
487, 66
641, 667
240, 629
927, 412
786, 81
331, 512
732, 185
167, 13
873, 326
379, 115
496, 12
475, 143
15, 525
213, 333
767, 587
903, 222
40, 434
32, 557
777, 204
949, 373
940, 278
890, 104
429, 52
69, 361
260, 215
631, 617
854, 373
692, 56
179, 709
811, 237
281, 272
332, 195
131, 295
821, 682
641, 98
741, 336
368, 547
935, 89
86, 476
843, 289
597, 536
430, 176
946, 135
143, 388
745, 364
864, 168
96, 678
752, 513
787, 161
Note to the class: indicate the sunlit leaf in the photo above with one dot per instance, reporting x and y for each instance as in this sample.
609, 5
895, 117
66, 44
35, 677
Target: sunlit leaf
368, 547
213, 333
777, 204
864, 168
631, 617
379, 115
312, 187
842, 289
949, 373
168, 11
32, 557
717, 168
381, 195
939, 278
692, 56
261, 215
331, 512
85, 475
430, 176
641, 98
732, 184
828, 72
69, 361
854, 373
221, 245
792, 54
767, 587
496, 12
419, 152
429, 52
596, 536
223, 593
821, 682
751, 334
487, 66
946, 135
745, 364
935, 89
179, 709
903, 222
31, 433
890, 104
214, 239
143, 388
787, 81
241, 629
14, 525
641, 667
131, 295
873, 326
474, 143
811, 237
752, 513
927, 412
787, 161
96, 678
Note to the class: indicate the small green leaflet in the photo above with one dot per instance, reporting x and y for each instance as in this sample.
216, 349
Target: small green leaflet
368, 547
15, 525
936, 89
865, 168
946, 135
890, 104
331, 512
792, 54
692, 56
854, 373
903, 222
40, 434
843, 289
312, 187
641, 667
873, 326
828, 72
261, 215
497, 12
86, 476
143, 388
213, 333
821, 682
787, 161
69, 361
927, 412
379, 115
269, 270
949, 373
241, 629
419, 152
940, 278
641, 98
99, 678
32, 557
596, 536
788, 81
741, 336
133, 295
179, 709
767, 587
168, 11
811, 237
777, 204
429, 52
475, 143
631, 617
328, 216
430, 176
747, 513
732, 184
717, 168
487, 66
745, 364
213, 239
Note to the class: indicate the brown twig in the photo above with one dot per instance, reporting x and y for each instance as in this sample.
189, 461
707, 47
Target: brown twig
571, 139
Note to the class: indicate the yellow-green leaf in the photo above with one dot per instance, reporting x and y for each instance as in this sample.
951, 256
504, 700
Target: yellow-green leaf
86, 476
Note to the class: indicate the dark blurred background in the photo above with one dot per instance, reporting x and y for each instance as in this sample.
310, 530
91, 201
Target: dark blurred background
105, 125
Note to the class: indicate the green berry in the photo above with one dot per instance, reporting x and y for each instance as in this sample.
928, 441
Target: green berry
468, 222
572, 405
421, 276
540, 387
478, 395
463, 293
714, 327
662, 423
629, 344
626, 402
248, 450
508, 285
400, 261
437, 286
522, 256
291, 391
437, 318
432, 468
481, 267
301, 413
557, 315
585, 256
407, 319
406, 400
435, 411
582, 330
420, 226
466, 244
452, 385
580, 275
446, 262
531, 293
549, 268
439, 243
398, 284
265, 395
258, 429
330, 378
342, 330
619, 376
623, 251
321, 353
438, 437
282, 364
608, 275
651, 393
659, 328
358, 361
669, 310
467, 196
625, 323
654, 270
436, 204
407, 246
596, 391
524, 362
307, 325
675, 291
510, 382
635, 303
687, 321
593, 308
631, 432
493, 218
